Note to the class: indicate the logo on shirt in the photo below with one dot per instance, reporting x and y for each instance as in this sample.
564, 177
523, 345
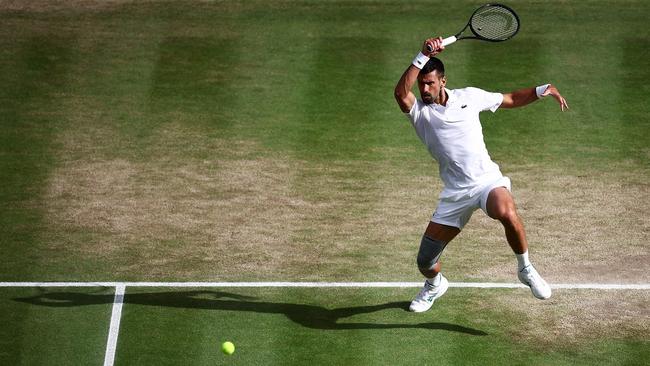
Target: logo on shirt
463, 106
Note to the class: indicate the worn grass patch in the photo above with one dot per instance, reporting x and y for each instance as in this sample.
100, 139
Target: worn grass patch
180, 215
581, 228
226, 218
574, 317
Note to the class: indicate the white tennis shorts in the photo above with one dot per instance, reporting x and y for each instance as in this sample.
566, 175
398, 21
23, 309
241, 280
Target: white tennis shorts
456, 209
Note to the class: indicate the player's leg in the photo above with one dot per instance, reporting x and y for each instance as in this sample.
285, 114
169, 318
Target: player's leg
433, 242
501, 206
435, 238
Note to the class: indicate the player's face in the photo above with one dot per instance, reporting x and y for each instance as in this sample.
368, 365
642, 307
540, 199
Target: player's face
431, 85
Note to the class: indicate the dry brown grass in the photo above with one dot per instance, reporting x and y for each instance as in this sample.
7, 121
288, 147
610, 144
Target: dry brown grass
580, 228
282, 216
231, 216
573, 317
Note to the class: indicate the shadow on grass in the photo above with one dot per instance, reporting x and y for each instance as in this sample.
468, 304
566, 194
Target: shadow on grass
310, 316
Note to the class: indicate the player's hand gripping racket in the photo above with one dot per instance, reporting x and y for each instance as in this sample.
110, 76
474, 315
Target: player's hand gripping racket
490, 22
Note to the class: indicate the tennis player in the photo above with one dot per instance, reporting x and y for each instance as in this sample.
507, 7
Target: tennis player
447, 122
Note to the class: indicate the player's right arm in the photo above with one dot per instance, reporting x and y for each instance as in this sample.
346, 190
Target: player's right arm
403, 94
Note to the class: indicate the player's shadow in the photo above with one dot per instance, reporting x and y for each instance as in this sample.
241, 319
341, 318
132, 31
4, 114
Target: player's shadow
310, 316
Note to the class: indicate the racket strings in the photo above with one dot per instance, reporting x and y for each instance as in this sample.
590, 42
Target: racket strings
495, 23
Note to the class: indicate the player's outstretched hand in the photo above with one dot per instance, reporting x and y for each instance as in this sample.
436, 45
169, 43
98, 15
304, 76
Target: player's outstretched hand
434, 44
552, 91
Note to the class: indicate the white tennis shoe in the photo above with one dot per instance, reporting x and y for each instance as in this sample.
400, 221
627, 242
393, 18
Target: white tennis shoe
529, 277
428, 295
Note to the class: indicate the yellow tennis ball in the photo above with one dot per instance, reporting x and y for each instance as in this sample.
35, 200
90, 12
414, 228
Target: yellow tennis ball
228, 348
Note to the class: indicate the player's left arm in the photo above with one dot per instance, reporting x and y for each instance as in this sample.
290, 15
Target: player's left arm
526, 96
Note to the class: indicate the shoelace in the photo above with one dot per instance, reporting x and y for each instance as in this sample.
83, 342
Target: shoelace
423, 293
427, 287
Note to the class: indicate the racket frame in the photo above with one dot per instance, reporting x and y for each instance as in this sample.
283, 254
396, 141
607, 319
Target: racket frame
449, 40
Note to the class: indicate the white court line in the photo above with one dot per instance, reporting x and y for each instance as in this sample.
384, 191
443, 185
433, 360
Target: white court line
116, 316
593, 286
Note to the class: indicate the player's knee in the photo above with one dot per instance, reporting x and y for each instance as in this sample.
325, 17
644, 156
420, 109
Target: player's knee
429, 253
511, 217
506, 214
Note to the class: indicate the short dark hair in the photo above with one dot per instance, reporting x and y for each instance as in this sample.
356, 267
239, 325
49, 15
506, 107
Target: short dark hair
434, 64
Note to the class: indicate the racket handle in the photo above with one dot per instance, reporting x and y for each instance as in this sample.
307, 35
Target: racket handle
449, 40
445, 42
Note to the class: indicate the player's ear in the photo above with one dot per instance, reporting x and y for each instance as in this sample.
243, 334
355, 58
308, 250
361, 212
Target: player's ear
443, 80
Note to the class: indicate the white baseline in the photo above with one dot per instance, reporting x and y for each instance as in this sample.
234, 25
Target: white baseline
114, 329
587, 286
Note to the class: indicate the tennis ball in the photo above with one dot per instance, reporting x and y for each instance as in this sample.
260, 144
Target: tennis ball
228, 348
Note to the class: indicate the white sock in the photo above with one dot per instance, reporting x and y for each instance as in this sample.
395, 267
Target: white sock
435, 281
522, 260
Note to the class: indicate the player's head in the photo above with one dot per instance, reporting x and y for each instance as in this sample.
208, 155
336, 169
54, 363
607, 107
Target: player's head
434, 63
432, 80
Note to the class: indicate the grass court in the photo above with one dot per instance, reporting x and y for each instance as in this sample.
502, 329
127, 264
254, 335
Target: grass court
254, 141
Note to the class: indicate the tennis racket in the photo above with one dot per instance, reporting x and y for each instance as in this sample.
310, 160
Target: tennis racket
490, 22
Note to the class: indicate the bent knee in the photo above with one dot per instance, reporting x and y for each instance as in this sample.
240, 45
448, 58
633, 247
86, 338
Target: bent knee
429, 253
506, 215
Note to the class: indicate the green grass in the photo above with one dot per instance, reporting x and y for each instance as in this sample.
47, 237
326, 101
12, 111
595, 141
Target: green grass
298, 326
177, 140
54, 335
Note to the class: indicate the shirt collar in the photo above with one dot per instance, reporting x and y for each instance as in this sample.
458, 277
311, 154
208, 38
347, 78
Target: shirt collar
451, 98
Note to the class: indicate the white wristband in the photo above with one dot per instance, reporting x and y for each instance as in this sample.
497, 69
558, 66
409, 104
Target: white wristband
420, 60
541, 89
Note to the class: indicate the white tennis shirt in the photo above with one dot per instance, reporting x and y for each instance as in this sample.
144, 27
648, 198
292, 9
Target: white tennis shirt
454, 137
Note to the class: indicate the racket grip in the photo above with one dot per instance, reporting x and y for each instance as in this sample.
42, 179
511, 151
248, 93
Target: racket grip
445, 42
449, 40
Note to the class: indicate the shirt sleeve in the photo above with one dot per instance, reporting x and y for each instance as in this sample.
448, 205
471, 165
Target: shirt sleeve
487, 100
414, 113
